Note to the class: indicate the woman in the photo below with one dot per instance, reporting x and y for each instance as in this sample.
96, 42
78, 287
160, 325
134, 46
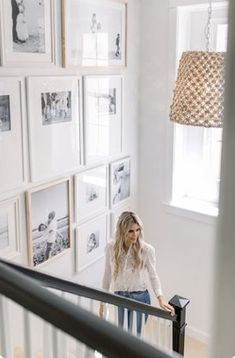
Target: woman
128, 259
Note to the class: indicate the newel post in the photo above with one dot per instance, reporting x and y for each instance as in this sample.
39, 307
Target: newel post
179, 303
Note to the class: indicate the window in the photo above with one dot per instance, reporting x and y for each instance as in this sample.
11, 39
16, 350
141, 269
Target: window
197, 150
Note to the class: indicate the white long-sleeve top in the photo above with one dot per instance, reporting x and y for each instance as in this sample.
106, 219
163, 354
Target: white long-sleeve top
128, 278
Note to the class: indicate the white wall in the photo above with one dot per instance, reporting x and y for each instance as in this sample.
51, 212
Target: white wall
224, 314
64, 265
184, 243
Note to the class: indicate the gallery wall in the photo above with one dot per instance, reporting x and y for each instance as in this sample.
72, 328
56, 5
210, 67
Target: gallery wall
45, 166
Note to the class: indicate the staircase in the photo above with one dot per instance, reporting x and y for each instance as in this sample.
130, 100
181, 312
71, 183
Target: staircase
45, 316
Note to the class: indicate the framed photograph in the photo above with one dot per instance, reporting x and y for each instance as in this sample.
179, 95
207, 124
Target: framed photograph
12, 133
91, 239
119, 181
103, 107
27, 32
49, 221
9, 228
114, 216
100, 31
54, 112
91, 192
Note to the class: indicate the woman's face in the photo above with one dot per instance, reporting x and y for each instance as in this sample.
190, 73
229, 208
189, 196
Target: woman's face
132, 234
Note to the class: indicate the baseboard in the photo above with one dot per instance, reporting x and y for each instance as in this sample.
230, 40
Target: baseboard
197, 334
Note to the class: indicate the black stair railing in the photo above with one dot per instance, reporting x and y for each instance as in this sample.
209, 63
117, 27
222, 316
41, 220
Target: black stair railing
57, 283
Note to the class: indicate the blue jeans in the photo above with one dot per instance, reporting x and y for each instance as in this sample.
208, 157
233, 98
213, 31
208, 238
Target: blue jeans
141, 296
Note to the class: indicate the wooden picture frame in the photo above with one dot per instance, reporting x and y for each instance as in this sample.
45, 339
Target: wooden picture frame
12, 133
91, 239
100, 30
91, 192
103, 117
27, 33
54, 117
120, 183
49, 220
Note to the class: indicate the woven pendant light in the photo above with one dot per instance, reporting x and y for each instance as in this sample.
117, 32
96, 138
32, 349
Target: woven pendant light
199, 92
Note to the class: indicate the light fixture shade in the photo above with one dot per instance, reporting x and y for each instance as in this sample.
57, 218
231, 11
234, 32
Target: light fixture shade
199, 92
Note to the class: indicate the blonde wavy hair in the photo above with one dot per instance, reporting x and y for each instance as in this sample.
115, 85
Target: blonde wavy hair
125, 221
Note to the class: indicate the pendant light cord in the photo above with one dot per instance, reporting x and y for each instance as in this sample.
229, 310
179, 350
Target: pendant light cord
208, 27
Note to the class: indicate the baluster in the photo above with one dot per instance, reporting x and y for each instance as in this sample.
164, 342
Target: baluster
165, 335
107, 312
170, 340
142, 334
153, 330
62, 338
89, 353
157, 331
162, 324
47, 340
80, 347
6, 346
27, 335
149, 330
134, 323
125, 319
116, 315
54, 343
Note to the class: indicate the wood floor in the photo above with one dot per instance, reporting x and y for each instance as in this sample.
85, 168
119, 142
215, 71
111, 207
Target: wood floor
195, 349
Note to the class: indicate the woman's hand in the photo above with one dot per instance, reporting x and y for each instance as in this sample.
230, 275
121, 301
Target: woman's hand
164, 305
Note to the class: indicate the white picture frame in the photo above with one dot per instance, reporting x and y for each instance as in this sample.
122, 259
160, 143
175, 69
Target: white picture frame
10, 244
114, 216
54, 117
103, 117
12, 133
120, 182
27, 33
100, 30
91, 192
49, 221
91, 239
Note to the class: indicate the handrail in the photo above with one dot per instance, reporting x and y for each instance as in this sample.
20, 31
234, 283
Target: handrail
71, 287
73, 320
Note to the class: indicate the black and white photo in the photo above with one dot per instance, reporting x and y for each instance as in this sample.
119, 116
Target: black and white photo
28, 26
5, 117
29, 31
103, 106
105, 102
56, 107
120, 181
100, 30
54, 112
91, 192
49, 221
91, 238
92, 241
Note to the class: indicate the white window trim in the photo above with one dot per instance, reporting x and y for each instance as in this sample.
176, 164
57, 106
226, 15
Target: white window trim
187, 209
